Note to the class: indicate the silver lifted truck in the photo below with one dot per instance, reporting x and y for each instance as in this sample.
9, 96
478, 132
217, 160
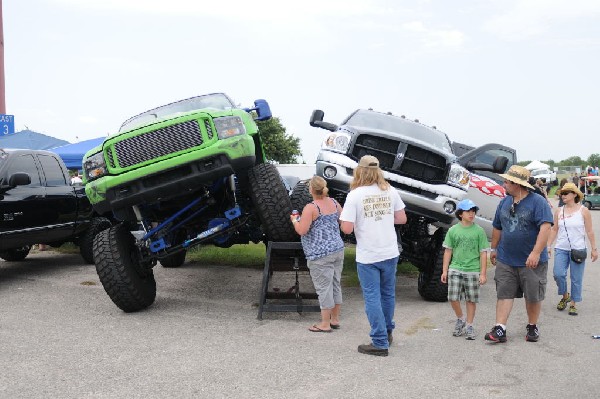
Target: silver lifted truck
420, 162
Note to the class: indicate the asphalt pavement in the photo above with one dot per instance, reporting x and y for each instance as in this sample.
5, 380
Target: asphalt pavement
62, 337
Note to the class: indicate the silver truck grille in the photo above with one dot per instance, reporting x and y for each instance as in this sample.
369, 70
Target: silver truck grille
161, 142
402, 158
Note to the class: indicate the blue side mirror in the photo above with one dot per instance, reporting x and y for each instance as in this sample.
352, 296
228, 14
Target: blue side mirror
262, 109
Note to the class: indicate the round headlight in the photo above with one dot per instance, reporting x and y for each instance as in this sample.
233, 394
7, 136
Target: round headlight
449, 207
329, 172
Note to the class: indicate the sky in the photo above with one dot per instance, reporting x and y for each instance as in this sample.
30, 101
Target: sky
523, 73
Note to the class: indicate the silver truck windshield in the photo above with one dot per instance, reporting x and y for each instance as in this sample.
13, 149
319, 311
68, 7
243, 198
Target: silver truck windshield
391, 123
216, 101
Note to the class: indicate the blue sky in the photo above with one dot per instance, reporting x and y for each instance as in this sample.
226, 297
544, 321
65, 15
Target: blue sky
522, 73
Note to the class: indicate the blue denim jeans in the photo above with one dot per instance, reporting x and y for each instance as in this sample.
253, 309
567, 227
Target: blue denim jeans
378, 283
562, 261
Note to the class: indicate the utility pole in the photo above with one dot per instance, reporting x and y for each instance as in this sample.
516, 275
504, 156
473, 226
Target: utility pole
2, 87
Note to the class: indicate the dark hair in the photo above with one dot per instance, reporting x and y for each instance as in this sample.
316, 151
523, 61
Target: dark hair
459, 213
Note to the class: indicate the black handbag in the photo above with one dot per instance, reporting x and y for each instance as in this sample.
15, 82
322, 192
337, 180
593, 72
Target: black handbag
577, 255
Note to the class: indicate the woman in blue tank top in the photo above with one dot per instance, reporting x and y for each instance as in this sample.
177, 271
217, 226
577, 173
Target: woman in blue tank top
323, 247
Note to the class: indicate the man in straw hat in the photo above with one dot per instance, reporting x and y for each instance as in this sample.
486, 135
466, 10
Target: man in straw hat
518, 250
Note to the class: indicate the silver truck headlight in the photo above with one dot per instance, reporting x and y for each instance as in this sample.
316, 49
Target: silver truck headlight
337, 141
459, 177
229, 126
94, 166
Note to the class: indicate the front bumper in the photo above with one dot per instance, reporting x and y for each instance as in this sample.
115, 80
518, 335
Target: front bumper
420, 198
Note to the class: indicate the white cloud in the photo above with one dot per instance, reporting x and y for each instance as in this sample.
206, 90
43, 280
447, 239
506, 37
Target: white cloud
438, 38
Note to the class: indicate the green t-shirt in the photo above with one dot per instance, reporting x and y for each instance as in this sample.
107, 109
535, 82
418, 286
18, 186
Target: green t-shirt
466, 244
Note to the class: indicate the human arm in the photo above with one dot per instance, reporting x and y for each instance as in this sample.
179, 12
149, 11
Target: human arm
540, 243
446, 264
589, 230
496, 233
347, 227
553, 233
306, 219
483, 264
400, 217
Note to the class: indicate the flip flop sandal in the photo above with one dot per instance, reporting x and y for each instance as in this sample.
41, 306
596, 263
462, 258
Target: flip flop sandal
314, 328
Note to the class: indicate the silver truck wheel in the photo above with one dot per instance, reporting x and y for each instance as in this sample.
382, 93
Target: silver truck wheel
130, 286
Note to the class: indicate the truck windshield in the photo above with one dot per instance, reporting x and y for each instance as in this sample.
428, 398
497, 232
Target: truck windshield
218, 101
391, 123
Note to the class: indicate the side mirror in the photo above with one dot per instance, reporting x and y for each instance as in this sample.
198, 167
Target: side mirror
500, 164
262, 110
316, 120
19, 179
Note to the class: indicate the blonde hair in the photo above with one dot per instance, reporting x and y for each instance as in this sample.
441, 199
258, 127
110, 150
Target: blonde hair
318, 186
367, 176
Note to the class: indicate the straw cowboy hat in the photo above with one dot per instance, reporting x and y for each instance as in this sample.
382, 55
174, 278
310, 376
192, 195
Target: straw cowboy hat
570, 187
519, 175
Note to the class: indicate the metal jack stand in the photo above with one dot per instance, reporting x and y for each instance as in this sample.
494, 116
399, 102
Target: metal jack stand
285, 257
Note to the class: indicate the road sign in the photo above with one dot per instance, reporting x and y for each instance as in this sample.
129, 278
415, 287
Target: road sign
7, 124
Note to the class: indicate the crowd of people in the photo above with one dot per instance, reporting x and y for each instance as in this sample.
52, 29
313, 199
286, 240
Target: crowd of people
526, 233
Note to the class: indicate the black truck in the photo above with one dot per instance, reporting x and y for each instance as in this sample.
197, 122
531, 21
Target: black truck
38, 204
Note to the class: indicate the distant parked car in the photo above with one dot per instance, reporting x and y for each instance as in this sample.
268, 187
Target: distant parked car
547, 174
591, 192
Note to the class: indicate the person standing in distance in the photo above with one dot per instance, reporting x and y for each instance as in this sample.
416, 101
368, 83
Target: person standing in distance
521, 228
371, 209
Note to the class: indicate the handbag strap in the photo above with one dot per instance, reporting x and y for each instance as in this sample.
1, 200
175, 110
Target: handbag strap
566, 231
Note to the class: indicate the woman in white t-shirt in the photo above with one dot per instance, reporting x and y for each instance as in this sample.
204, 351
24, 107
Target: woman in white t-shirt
371, 209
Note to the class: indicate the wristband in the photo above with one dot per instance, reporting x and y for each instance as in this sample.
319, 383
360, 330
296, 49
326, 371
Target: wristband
492, 249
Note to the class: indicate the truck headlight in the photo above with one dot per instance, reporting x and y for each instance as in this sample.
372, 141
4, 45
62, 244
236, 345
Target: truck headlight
94, 166
459, 177
337, 141
229, 126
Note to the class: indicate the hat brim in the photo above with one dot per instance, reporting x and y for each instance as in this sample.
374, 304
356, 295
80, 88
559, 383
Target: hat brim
516, 180
576, 191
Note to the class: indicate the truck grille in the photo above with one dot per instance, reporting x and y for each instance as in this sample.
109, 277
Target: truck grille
415, 162
161, 142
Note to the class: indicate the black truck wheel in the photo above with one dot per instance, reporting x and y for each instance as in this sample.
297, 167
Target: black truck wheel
300, 195
86, 244
174, 260
430, 284
128, 285
272, 202
15, 255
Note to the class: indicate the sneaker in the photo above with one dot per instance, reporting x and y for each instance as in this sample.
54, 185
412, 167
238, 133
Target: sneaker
390, 337
459, 328
371, 350
572, 310
470, 333
498, 334
533, 334
562, 304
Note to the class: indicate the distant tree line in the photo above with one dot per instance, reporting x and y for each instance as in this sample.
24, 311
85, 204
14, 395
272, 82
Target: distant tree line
592, 160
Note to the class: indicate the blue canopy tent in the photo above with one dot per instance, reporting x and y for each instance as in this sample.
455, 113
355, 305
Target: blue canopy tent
30, 140
72, 154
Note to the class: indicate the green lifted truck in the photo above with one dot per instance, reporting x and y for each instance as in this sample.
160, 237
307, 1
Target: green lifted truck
176, 176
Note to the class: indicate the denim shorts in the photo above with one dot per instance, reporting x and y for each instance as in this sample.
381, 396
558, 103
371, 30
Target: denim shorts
516, 282
463, 285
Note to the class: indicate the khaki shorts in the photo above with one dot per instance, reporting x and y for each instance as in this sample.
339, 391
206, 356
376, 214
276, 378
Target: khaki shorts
516, 282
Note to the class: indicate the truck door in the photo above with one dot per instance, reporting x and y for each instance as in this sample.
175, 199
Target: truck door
61, 202
22, 207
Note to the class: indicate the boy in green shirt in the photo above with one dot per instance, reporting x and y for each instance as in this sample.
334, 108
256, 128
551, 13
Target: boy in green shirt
465, 265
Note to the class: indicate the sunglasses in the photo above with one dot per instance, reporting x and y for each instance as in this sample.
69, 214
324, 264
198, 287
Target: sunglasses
567, 192
512, 210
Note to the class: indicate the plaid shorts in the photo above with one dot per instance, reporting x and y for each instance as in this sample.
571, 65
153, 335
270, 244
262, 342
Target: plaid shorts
463, 285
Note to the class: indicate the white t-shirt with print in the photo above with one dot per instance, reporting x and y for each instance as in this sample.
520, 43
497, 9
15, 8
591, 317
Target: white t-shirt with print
372, 212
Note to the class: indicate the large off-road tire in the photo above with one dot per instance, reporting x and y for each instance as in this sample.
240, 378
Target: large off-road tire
15, 255
86, 244
587, 204
271, 202
130, 286
430, 284
300, 195
174, 260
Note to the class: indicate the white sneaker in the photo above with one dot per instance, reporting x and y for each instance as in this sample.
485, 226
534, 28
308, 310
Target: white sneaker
459, 328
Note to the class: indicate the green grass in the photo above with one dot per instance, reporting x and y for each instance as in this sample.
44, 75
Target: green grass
253, 256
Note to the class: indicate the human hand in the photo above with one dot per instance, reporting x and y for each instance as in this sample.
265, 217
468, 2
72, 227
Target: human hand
549, 252
444, 278
594, 255
482, 279
493, 258
532, 260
